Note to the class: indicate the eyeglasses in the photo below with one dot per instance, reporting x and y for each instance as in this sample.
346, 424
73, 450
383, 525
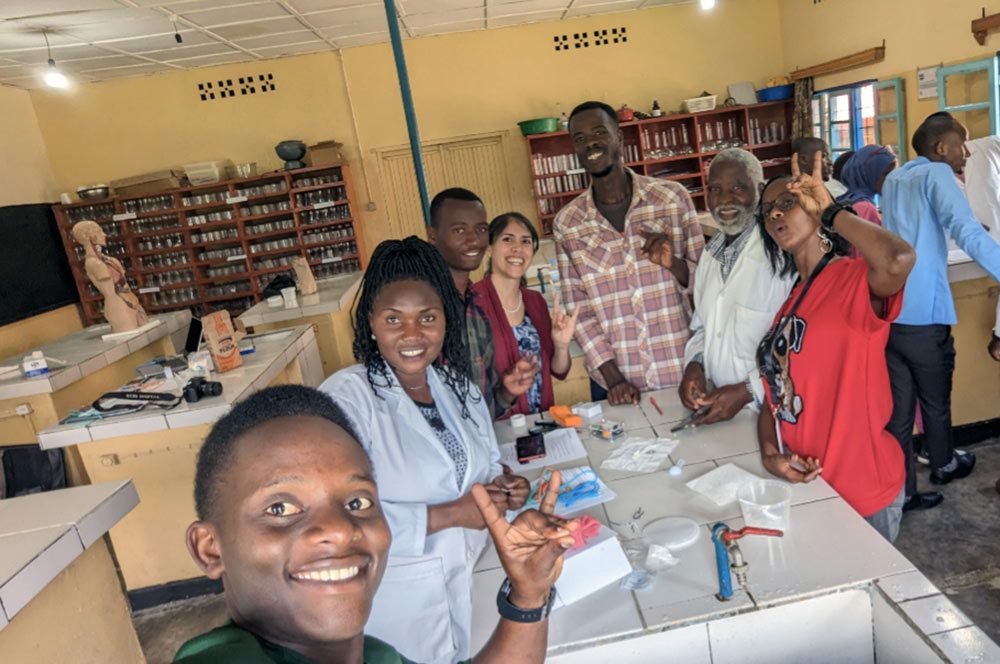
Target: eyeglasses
784, 202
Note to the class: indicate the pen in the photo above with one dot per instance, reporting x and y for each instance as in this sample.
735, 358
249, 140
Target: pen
652, 400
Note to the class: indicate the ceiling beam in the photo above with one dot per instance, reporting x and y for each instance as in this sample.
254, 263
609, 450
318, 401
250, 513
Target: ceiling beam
194, 26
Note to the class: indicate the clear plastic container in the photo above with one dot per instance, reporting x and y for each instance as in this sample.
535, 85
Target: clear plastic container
766, 504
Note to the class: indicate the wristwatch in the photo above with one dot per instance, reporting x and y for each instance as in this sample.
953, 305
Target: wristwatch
826, 219
511, 612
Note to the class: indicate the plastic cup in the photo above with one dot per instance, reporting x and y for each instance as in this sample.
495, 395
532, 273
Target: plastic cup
766, 504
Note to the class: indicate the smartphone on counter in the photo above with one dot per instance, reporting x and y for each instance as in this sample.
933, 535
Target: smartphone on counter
530, 447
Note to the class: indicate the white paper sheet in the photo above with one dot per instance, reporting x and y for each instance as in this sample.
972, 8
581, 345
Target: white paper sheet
561, 446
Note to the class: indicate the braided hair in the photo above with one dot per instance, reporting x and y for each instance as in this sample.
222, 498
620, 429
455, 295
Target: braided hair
416, 260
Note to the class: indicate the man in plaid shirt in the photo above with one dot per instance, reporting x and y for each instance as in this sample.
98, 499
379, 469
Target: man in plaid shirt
627, 249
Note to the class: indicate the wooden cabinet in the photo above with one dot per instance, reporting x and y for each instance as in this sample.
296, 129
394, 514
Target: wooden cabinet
676, 147
217, 246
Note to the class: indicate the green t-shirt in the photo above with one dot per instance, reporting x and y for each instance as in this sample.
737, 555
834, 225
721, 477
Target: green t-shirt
232, 643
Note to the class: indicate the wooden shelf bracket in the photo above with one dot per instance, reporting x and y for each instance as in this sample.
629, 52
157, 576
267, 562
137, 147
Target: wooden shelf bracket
981, 27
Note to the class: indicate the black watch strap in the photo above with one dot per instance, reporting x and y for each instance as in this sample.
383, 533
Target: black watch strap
826, 219
517, 614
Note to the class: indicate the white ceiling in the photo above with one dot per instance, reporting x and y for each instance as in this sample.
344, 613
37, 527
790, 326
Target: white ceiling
96, 40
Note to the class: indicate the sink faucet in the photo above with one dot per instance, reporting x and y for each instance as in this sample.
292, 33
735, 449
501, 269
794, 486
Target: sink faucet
728, 557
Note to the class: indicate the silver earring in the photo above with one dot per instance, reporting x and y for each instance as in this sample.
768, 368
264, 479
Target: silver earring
373, 335
825, 243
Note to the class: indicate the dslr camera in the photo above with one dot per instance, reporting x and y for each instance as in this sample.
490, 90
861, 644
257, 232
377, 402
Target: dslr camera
200, 387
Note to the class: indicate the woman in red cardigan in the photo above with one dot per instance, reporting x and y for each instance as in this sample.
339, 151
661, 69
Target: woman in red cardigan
520, 317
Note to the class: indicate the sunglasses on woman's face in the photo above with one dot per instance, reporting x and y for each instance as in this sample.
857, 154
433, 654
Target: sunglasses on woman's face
783, 202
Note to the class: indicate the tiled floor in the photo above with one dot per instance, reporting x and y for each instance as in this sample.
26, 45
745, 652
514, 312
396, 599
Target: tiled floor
957, 546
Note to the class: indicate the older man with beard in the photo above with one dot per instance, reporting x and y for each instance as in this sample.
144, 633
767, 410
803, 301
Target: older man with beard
736, 295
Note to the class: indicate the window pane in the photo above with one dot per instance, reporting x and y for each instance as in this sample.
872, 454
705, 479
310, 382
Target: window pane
889, 129
841, 136
840, 108
887, 101
977, 122
967, 88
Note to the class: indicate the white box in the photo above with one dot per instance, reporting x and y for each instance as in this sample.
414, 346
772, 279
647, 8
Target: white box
588, 569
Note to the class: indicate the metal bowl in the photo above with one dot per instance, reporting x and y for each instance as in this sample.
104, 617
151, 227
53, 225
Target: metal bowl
93, 192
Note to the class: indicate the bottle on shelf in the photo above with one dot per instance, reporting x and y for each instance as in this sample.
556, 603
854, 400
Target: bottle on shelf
656, 111
564, 121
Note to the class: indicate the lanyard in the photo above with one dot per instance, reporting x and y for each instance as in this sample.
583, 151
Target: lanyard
768, 363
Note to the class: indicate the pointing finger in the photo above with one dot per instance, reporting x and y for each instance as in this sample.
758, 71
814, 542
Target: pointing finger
795, 166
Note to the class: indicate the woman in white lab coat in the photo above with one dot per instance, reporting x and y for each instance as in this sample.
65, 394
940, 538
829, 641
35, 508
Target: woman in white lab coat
430, 437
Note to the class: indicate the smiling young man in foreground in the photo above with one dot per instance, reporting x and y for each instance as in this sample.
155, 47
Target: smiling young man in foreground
290, 520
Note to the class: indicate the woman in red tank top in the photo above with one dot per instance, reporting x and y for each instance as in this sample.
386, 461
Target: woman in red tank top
823, 361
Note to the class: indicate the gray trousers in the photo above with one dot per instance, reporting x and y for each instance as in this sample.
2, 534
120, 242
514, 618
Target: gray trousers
886, 520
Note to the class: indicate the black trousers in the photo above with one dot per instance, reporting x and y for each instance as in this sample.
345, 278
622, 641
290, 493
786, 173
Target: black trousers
921, 361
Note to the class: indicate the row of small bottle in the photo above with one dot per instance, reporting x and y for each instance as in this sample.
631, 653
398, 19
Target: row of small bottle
149, 204
219, 254
160, 242
333, 252
320, 196
328, 234
559, 184
169, 278
229, 288
324, 215
164, 260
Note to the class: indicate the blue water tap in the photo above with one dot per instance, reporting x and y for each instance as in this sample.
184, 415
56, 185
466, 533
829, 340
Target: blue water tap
729, 557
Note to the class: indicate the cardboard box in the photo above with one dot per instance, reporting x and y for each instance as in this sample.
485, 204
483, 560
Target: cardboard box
588, 569
325, 153
148, 183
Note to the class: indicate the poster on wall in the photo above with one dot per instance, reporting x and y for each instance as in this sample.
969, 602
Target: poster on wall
927, 83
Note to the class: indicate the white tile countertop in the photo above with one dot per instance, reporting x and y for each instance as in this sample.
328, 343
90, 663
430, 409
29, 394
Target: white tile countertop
41, 534
333, 294
274, 351
84, 353
828, 550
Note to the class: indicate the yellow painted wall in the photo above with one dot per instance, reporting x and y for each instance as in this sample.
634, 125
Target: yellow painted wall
917, 33
464, 83
25, 175
31, 333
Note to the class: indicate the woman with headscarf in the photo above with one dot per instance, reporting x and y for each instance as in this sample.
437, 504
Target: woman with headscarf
863, 175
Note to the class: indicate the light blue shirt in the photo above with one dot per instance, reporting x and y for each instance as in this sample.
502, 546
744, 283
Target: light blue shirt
923, 204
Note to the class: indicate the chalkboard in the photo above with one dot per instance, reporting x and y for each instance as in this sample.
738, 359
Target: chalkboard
34, 274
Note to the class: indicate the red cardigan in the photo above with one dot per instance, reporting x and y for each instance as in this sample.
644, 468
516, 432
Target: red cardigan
507, 353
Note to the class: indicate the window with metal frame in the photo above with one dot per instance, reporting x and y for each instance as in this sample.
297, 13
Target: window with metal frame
969, 92
890, 118
845, 117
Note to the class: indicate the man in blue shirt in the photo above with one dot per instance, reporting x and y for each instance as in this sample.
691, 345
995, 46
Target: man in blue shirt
923, 203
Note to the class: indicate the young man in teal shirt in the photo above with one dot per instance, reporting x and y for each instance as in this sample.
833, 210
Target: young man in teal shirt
289, 519
923, 203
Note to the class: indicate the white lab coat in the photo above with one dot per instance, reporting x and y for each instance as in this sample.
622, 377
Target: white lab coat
424, 605
982, 180
730, 318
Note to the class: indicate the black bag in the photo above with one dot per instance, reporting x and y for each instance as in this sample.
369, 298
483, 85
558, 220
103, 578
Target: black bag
276, 284
30, 469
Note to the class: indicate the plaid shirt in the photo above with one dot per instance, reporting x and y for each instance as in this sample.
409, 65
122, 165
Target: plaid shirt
482, 370
727, 255
631, 310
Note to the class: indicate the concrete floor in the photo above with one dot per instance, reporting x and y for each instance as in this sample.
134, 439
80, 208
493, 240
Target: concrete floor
957, 545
